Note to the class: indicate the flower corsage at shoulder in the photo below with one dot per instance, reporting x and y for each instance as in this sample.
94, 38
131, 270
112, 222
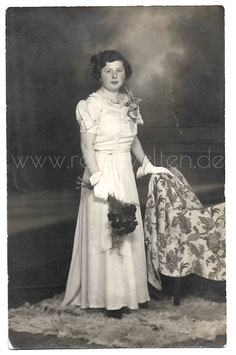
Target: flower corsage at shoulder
133, 106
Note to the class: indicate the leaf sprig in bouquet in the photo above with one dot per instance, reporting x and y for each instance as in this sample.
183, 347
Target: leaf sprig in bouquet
122, 216
132, 104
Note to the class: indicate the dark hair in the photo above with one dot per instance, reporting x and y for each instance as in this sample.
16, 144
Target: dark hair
100, 59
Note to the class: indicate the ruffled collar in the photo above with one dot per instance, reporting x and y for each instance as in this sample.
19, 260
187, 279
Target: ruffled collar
122, 106
122, 99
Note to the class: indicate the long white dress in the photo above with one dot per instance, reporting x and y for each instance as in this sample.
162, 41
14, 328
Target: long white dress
98, 276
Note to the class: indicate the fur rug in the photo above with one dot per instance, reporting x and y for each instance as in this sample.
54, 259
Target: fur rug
158, 325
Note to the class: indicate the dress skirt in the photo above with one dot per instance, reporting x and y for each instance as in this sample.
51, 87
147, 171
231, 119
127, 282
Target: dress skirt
99, 277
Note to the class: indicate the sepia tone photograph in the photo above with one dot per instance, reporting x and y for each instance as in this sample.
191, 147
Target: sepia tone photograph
116, 177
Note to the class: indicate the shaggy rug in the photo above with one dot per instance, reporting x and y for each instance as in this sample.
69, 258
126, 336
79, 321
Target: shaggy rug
158, 325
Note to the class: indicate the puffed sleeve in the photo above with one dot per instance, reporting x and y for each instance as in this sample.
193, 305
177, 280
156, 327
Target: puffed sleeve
87, 113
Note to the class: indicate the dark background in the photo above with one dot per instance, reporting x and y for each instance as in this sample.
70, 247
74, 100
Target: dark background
177, 56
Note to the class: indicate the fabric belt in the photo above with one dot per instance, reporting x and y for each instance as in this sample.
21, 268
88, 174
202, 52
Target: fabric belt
110, 152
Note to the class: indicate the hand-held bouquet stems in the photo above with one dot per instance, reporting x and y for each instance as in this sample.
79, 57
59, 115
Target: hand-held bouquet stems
83, 183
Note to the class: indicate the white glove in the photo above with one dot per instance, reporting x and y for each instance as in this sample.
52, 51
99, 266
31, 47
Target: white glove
100, 188
148, 168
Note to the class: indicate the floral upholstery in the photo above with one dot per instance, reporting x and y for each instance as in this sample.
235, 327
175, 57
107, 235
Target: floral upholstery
181, 235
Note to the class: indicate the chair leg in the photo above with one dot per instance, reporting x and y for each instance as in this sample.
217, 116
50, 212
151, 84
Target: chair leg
177, 284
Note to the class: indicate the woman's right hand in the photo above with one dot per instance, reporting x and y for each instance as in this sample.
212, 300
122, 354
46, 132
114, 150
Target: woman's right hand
100, 188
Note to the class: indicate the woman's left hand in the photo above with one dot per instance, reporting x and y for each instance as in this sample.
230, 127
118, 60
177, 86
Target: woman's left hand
151, 169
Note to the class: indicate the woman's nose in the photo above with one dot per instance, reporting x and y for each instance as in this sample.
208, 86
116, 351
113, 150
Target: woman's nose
114, 74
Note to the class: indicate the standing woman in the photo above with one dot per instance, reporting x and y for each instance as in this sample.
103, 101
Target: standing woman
98, 276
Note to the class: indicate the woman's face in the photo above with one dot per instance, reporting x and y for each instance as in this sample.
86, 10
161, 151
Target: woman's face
113, 75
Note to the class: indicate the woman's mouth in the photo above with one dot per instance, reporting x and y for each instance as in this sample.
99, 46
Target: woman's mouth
114, 82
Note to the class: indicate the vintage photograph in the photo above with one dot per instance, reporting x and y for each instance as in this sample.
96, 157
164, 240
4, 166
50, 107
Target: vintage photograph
116, 177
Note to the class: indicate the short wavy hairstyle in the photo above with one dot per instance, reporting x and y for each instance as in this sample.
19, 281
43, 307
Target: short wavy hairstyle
100, 59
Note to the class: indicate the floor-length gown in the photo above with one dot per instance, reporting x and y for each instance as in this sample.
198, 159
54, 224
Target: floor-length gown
99, 277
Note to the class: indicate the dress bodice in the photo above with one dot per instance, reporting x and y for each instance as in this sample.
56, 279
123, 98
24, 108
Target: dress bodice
114, 129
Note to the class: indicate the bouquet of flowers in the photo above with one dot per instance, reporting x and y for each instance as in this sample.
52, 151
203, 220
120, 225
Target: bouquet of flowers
132, 104
122, 216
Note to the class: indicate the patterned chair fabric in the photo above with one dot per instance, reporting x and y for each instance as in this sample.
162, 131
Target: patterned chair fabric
182, 236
